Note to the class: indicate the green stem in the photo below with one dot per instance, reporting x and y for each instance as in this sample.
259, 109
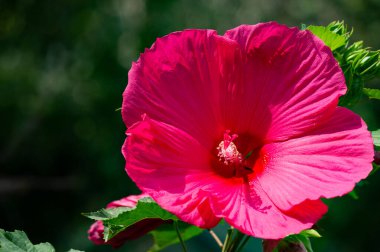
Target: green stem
241, 246
216, 238
235, 241
175, 223
227, 241
238, 236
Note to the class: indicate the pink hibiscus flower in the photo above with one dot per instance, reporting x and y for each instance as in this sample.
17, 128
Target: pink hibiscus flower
95, 233
244, 127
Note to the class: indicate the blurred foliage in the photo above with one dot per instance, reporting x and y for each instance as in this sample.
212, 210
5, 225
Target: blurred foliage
63, 68
18, 241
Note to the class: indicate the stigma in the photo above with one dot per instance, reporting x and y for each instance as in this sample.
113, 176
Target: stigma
227, 150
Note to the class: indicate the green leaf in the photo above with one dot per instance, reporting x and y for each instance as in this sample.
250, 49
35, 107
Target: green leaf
44, 247
376, 137
18, 241
300, 241
306, 242
358, 63
311, 233
359, 184
115, 220
372, 93
355, 89
105, 214
146, 208
353, 194
375, 168
294, 243
331, 39
362, 61
165, 235
338, 27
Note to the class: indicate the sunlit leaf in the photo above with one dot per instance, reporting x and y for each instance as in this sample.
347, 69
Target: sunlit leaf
340, 28
311, 233
331, 39
372, 93
376, 137
105, 214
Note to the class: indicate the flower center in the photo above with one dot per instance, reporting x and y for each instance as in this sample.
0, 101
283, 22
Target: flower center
227, 150
231, 162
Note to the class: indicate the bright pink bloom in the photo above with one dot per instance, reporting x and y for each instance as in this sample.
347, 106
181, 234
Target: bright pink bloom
95, 233
244, 127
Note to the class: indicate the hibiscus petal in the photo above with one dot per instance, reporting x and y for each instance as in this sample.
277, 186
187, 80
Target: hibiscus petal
325, 163
246, 207
182, 80
166, 163
291, 81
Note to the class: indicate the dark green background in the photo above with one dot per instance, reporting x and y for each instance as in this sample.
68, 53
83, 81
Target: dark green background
63, 68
